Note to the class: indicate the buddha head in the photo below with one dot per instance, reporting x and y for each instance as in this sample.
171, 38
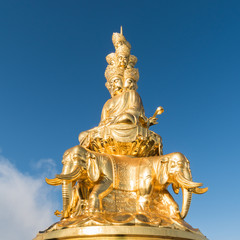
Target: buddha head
114, 78
121, 59
132, 61
111, 59
122, 56
131, 77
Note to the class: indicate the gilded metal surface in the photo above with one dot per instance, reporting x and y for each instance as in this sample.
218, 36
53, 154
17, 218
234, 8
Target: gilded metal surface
138, 148
121, 233
118, 174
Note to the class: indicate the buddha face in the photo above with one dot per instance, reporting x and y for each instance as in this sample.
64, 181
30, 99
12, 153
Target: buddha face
122, 60
130, 84
115, 86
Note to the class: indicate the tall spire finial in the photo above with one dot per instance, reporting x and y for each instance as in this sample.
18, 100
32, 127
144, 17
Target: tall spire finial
121, 31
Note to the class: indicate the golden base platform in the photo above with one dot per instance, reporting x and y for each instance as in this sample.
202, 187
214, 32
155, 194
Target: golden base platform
119, 233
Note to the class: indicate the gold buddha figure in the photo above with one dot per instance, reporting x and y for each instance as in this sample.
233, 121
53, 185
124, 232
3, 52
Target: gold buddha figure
118, 174
123, 120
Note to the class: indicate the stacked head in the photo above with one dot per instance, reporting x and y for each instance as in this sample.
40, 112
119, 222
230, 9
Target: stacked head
120, 73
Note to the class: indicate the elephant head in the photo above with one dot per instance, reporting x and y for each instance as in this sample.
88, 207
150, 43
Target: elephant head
74, 162
84, 162
175, 170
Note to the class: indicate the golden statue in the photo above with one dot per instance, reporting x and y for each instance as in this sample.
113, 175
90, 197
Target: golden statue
118, 175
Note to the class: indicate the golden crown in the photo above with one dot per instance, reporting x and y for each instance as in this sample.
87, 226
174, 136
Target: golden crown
132, 73
111, 72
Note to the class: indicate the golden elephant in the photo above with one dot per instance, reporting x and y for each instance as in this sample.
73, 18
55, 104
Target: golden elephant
98, 174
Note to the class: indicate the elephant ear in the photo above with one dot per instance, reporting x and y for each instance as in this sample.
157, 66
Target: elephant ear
163, 176
93, 169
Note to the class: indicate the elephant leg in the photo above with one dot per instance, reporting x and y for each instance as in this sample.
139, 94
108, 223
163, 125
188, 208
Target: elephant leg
99, 191
75, 207
144, 188
170, 204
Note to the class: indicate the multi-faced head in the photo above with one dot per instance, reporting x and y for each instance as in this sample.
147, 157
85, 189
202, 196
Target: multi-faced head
121, 60
119, 80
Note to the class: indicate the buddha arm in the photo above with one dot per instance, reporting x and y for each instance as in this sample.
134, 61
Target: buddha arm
105, 113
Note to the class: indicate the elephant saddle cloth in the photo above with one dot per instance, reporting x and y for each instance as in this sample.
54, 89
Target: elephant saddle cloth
128, 178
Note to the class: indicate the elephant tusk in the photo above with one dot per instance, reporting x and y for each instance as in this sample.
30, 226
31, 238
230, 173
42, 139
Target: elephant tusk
187, 198
71, 176
54, 181
200, 190
185, 183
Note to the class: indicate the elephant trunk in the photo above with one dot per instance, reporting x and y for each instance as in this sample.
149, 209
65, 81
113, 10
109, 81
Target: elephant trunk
66, 196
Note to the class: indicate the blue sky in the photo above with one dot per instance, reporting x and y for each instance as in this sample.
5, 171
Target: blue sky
52, 87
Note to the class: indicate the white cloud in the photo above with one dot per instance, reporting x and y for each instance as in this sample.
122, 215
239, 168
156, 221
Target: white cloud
42, 162
26, 204
46, 166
